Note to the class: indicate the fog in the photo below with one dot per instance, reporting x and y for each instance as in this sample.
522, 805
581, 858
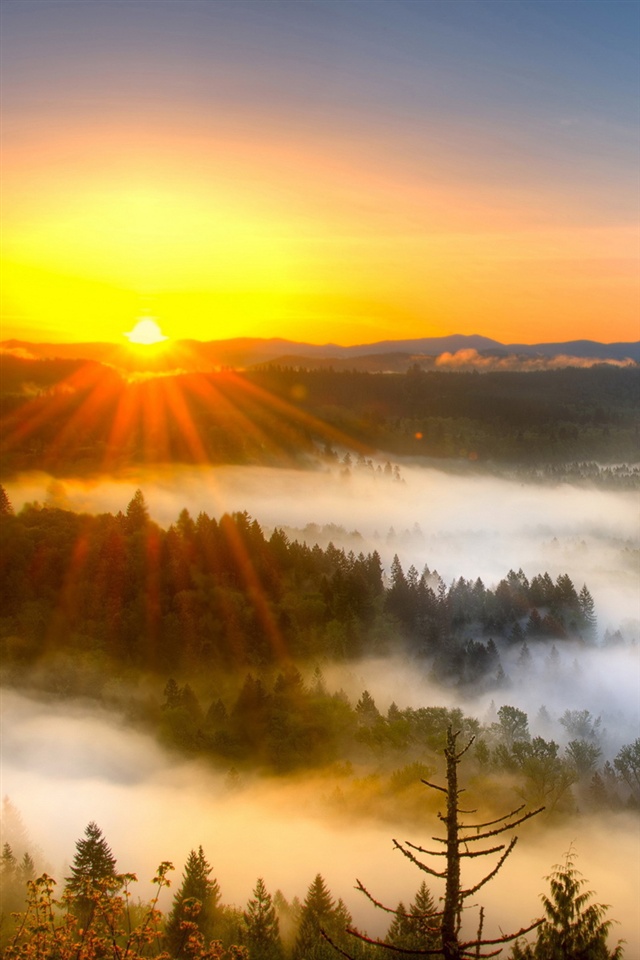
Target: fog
463, 524
65, 765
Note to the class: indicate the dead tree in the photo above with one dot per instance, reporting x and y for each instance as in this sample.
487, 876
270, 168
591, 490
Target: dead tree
457, 844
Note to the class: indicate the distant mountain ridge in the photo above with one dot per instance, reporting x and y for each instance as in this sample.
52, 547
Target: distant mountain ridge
249, 351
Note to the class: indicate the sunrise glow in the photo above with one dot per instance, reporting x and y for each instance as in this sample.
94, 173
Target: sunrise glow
146, 332
253, 200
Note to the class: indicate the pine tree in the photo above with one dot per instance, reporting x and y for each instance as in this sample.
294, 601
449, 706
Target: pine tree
6, 507
13, 829
93, 868
197, 902
11, 889
26, 869
137, 512
8, 864
399, 928
262, 927
588, 619
574, 929
318, 911
417, 927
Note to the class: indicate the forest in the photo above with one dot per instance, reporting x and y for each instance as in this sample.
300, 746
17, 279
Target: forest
242, 645
233, 632
78, 417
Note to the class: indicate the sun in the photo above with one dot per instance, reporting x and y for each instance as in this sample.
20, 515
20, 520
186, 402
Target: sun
146, 332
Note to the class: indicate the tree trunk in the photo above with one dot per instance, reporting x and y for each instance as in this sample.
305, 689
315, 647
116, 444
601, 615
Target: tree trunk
450, 946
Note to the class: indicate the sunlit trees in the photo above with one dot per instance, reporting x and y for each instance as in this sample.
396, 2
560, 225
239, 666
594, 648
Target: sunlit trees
93, 868
12, 889
195, 905
49, 929
323, 922
137, 513
573, 928
262, 928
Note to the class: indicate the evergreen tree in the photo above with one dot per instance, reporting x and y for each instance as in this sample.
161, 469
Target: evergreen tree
318, 912
196, 902
13, 829
418, 927
6, 506
399, 928
262, 927
137, 512
8, 864
12, 891
588, 619
627, 765
93, 869
573, 929
288, 919
366, 710
26, 869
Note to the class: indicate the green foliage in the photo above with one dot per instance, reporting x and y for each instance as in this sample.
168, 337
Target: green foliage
627, 765
262, 935
196, 910
320, 913
574, 928
218, 592
416, 928
93, 867
560, 422
513, 726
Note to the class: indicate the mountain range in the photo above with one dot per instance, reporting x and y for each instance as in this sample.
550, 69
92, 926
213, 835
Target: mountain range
387, 355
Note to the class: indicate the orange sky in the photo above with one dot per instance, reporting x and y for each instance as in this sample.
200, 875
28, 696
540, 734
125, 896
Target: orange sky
242, 213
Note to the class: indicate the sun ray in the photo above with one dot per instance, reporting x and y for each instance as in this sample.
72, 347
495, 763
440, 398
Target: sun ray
178, 408
256, 591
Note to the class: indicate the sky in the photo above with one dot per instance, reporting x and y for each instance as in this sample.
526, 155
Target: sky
321, 170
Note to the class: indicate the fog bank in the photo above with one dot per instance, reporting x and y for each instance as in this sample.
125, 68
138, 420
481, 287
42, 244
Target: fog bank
65, 765
459, 524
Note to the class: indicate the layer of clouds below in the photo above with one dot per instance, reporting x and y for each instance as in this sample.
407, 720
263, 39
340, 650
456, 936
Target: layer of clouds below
64, 766
460, 524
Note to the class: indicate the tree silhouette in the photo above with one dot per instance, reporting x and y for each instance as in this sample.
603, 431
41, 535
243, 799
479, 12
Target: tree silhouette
6, 507
458, 844
137, 512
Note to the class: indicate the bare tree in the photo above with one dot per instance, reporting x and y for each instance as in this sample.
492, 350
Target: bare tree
458, 844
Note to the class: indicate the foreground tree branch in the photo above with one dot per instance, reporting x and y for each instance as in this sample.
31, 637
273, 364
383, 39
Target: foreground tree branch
458, 836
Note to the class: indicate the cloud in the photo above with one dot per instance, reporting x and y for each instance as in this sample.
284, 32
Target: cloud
472, 360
